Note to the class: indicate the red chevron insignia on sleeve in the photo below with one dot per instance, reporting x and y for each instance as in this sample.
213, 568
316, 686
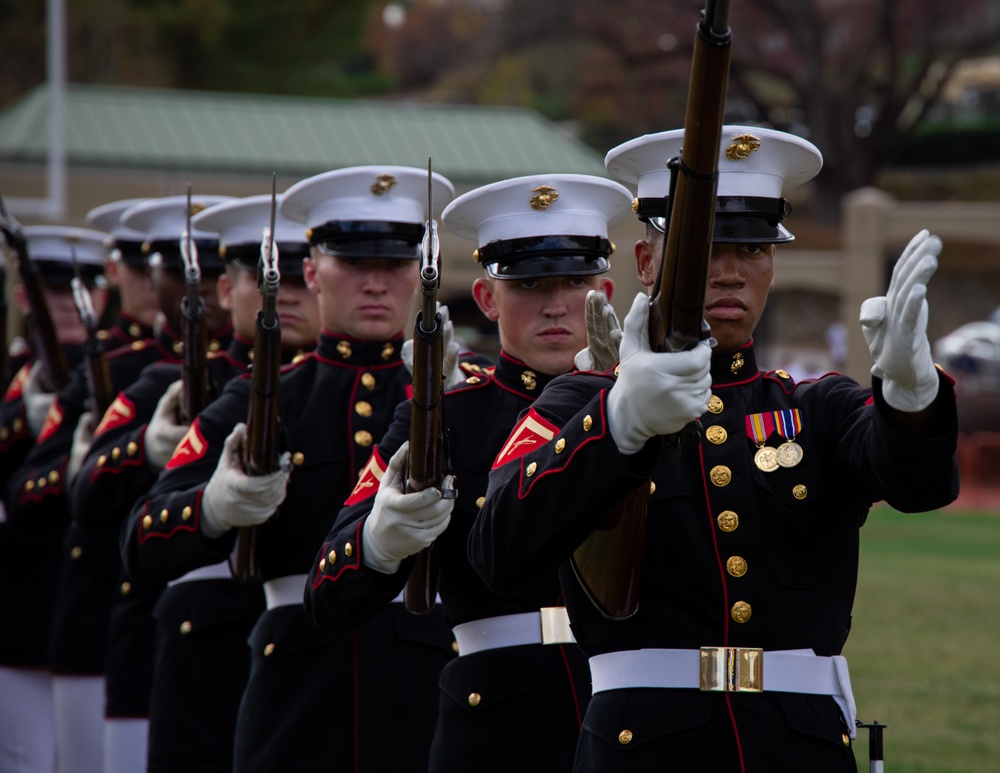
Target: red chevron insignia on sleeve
52, 421
191, 448
16, 388
121, 411
533, 431
368, 481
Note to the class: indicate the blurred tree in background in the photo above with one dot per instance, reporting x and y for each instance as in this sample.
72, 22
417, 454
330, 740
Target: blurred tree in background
857, 77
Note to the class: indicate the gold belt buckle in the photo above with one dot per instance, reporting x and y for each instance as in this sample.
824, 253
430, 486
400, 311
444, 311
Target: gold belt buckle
555, 626
732, 669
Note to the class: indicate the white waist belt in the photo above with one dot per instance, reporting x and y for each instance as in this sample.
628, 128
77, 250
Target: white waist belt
218, 571
550, 625
728, 669
282, 591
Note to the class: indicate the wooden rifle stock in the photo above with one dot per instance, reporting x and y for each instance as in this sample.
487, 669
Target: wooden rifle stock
194, 362
609, 562
55, 367
262, 453
102, 393
4, 344
426, 457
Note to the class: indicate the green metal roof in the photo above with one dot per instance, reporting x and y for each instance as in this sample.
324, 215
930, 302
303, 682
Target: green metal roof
121, 127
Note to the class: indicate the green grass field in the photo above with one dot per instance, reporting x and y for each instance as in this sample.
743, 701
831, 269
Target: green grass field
924, 649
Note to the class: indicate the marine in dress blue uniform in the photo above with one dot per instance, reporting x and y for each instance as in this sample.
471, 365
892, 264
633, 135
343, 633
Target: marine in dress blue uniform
732, 661
89, 563
29, 559
98, 511
203, 617
365, 699
515, 696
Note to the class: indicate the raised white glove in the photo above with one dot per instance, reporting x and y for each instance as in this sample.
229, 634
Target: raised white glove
82, 437
233, 498
449, 367
36, 400
656, 393
399, 524
165, 430
604, 334
895, 328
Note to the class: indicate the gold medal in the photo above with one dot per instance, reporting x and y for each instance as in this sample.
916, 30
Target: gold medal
766, 458
789, 454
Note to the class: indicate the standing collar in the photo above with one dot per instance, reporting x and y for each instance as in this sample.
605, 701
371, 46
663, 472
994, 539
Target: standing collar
516, 376
736, 368
353, 351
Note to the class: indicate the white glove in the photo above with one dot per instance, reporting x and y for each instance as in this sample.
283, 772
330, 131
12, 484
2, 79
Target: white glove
895, 327
82, 437
164, 430
604, 334
233, 498
449, 367
36, 400
399, 524
656, 393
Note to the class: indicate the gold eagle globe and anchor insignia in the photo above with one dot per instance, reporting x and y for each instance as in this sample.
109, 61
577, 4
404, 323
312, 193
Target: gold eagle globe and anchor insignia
383, 184
529, 379
543, 197
742, 146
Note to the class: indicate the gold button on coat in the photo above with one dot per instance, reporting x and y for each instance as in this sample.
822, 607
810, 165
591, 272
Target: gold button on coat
728, 520
268, 650
624, 737
363, 438
348, 550
322, 564
132, 449
332, 556
720, 475
53, 477
588, 422
800, 492
363, 409
716, 434
76, 552
186, 627
186, 513
125, 588
164, 516
475, 699
368, 381
560, 445
741, 611
298, 458
530, 469
715, 404
147, 521
480, 502
736, 566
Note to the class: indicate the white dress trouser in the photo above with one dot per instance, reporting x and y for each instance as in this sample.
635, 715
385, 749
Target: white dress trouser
27, 726
79, 709
125, 745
